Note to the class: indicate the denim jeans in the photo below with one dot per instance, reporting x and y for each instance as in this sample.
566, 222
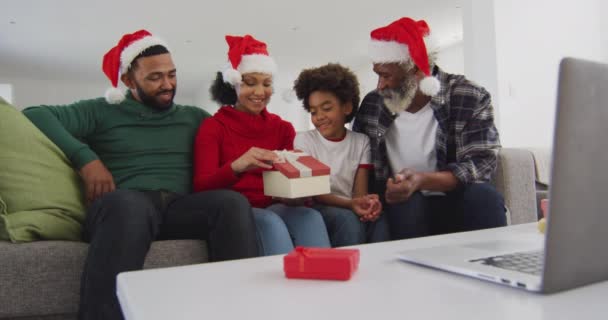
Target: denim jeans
471, 207
345, 228
121, 225
280, 227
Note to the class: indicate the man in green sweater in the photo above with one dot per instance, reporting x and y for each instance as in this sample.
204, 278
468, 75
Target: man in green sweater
134, 154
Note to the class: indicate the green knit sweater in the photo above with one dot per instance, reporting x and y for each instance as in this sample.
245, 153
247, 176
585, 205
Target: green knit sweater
143, 148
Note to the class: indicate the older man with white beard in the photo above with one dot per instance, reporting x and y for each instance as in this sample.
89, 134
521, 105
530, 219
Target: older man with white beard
433, 139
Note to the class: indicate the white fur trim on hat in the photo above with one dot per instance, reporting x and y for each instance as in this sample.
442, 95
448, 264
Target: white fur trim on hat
114, 95
388, 51
134, 49
257, 63
430, 86
231, 76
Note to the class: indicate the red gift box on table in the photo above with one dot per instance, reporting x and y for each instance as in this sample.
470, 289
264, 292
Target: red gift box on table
296, 175
321, 263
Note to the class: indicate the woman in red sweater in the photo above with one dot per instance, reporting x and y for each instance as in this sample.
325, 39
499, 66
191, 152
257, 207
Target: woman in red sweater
233, 147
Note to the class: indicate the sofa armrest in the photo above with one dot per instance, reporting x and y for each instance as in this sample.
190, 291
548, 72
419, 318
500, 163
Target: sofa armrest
514, 179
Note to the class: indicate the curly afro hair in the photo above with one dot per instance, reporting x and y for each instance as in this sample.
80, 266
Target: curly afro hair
222, 92
332, 78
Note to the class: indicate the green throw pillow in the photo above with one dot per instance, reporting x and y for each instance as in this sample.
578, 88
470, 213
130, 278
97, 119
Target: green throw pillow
40, 194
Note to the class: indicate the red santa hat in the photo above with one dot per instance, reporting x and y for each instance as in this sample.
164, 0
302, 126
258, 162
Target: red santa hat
246, 54
401, 41
118, 60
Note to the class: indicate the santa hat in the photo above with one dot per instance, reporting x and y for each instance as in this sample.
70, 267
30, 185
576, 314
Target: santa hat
118, 60
401, 41
246, 54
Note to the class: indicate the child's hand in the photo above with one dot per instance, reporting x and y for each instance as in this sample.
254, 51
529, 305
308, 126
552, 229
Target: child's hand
377, 205
361, 206
367, 207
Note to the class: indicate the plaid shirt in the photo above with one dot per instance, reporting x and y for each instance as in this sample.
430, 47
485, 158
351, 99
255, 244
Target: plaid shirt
467, 141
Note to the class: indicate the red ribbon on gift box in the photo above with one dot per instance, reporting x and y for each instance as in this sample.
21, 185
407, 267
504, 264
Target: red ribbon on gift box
299, 164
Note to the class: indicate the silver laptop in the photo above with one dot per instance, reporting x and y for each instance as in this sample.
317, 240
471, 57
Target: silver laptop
574, 250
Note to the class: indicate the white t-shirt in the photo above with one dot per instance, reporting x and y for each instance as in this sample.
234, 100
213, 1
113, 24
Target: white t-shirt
411, 139
344, 157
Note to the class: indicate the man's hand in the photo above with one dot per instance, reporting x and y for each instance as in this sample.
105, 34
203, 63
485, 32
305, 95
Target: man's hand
402, 186
253, 158
97, 180
367, 207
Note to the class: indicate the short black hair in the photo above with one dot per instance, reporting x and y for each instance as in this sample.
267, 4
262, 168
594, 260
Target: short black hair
222, 92
332, 77
151, 51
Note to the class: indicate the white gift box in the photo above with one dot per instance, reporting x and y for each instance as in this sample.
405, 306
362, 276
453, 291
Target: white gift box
296, 175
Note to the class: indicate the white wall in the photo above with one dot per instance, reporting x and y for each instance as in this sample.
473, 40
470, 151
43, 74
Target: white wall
368, 80
479, 48
31, 92
203, 99
451, 59
528, 55
6, 92
530, 39
604, 31
284, 102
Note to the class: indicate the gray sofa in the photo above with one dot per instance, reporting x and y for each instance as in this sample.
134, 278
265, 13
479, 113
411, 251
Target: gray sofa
515, 179
40, 280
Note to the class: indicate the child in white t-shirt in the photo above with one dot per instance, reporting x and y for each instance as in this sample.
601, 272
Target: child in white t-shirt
331, 94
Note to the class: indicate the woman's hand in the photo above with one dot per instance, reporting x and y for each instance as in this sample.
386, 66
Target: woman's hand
254, 158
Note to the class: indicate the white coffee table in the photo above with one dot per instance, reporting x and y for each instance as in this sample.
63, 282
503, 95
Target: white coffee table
382, 288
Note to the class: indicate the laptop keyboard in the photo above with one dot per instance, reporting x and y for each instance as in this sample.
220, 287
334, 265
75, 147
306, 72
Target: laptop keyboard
527, 262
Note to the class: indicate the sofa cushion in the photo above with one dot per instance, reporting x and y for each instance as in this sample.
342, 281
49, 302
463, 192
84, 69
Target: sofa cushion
43, 277
514, 179
40, 194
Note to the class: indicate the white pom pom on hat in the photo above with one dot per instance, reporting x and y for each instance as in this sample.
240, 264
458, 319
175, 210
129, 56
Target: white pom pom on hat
430, 86
231, 76
118, 59
114, 95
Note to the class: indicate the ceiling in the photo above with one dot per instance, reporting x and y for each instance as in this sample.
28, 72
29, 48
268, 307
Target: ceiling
66, 39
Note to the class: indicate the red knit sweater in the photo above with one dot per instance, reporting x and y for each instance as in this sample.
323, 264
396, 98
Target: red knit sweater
227, 135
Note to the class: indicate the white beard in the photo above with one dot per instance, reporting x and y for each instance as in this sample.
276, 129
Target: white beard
400, 99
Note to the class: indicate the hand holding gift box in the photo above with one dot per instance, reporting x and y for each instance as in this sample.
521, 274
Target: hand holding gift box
252, 159
296, 175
